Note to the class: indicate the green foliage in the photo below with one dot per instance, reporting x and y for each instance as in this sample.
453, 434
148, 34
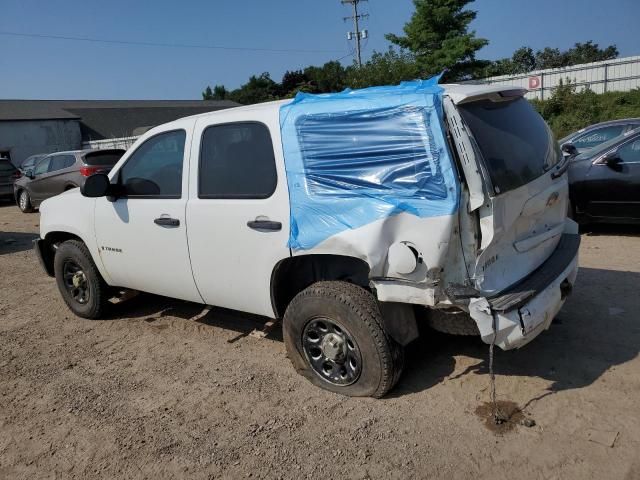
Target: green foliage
438, 36
569, 110
524, 60
388, 68
330, 77
219, 92
258, 89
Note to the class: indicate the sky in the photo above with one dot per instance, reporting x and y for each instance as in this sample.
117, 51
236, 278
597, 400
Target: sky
311, 32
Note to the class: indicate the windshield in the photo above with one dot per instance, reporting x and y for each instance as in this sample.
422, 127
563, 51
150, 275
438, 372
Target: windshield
516, 144
603, 147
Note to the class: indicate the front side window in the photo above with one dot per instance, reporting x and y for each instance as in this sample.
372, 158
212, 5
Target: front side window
598, 136
42, 166
630, 152
155, 168
237, 161
516, 144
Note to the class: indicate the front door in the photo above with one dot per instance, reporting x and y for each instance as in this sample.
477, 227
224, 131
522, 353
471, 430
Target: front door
238, 212
37, 187
142, 235
614, 191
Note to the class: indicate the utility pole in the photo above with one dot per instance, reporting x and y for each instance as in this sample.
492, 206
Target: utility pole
358, 34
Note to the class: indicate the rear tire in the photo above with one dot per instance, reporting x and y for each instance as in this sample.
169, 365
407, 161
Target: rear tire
459, 323
334, 337
24, 202
80, 284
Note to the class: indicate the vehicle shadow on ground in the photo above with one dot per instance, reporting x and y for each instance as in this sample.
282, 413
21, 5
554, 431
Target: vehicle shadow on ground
153, 308
594, 331
12, 242
610, 229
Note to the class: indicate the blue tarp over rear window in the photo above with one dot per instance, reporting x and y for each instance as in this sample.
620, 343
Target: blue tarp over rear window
358, 156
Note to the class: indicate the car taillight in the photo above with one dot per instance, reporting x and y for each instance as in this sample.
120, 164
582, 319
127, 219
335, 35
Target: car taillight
17, 174
88, 171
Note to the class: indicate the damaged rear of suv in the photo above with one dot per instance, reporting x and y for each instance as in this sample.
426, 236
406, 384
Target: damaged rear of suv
351, 216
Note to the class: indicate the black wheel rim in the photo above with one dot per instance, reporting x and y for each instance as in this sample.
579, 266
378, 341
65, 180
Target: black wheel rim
75, 281
331, 351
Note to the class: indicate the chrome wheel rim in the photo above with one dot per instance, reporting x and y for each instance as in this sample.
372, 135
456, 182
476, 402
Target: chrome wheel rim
23, 200
331, 351
75, 281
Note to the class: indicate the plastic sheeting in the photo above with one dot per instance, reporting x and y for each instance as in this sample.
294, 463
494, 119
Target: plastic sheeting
362, 155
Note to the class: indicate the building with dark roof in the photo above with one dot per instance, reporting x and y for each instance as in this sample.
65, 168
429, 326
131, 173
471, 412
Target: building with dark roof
28, 127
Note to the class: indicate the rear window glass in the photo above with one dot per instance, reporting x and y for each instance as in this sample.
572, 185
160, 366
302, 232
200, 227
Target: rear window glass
6, 166
357, 153
516, 144
110, 157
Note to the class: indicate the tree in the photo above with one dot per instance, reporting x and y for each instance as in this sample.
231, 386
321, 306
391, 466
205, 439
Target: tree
388, 68
258, 89
219, 92
438, 36
207, 94
590, 52
293, 82
328, 78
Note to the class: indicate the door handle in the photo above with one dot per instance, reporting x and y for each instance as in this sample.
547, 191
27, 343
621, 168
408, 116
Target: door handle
167, 222
264, 225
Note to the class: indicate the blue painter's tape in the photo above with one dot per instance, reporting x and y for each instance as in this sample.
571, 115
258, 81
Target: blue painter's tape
362, 155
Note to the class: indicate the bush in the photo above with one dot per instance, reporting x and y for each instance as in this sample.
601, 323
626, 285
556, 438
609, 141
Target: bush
569, 110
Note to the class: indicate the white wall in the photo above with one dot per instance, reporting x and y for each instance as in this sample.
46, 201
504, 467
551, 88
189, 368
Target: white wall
621, 74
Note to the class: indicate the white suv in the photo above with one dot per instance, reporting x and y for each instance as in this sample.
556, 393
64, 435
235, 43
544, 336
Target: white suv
348, 215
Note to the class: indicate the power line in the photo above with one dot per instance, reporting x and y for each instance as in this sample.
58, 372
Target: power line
357, 34
156, 44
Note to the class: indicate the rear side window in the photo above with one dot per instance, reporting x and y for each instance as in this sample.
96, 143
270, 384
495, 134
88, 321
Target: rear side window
107, 158
237, 161
516, 144
59, 162
371, 152
596, 137
155, 168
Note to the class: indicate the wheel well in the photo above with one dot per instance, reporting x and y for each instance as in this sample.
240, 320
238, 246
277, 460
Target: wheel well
50, 241
292, 275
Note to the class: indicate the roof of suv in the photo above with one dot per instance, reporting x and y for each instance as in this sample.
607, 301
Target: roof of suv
459, 93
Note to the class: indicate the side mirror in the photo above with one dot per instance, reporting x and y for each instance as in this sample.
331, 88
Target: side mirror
29, 174
96, 185
569, 149
613, 161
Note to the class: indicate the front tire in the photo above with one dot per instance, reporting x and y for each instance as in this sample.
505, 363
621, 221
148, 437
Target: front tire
334, 337
24, 202
80, 284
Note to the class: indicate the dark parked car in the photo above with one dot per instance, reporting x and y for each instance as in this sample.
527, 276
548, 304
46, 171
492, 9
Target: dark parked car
594, 135
604, 183
30, 162
61, 171
8, 174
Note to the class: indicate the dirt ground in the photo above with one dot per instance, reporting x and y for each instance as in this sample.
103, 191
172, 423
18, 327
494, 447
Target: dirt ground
154, 393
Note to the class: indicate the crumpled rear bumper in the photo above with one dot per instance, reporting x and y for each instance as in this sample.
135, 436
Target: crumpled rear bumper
528, 308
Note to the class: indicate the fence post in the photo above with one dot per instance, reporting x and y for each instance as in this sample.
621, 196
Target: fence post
606, 76
541, 85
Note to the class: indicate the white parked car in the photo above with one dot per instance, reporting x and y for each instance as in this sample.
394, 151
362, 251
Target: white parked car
348, 215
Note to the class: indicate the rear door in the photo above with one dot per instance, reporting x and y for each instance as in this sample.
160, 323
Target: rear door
238, 211
58, 177
615, 192
524, 216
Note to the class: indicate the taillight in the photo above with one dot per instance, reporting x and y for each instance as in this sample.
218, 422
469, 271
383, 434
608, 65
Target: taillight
88, 171
17, 174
